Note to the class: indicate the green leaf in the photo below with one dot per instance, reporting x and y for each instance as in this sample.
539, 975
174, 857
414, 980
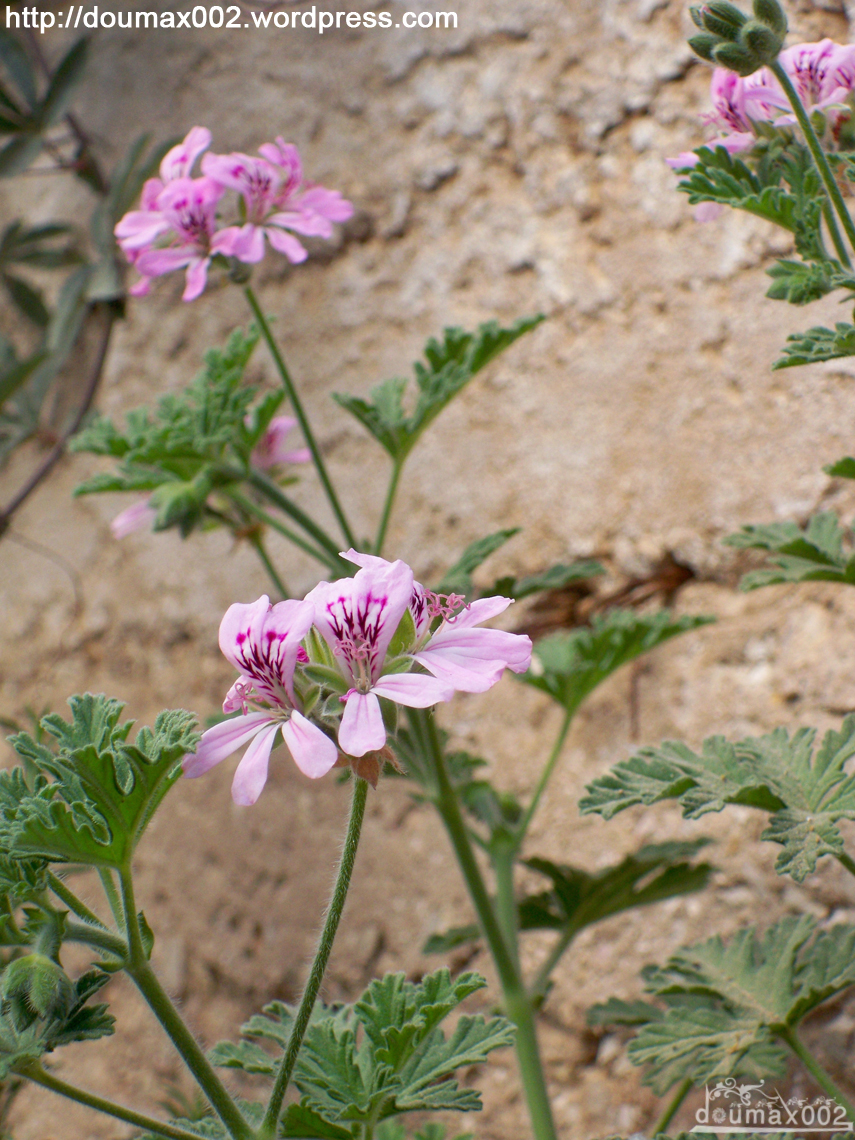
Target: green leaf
815, 553
727, 1003
555, 578
452, 939
580, 898
818, 344
62, 84
17, 64
95, 796
19, 153
383, 1055
458, 579
449, 366
800, 283
28, 300
618, 1012
11, 379
569, 666
806, 794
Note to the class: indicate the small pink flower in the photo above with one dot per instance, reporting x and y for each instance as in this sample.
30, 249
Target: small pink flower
263, 643
357, 617
272, 451
135, 517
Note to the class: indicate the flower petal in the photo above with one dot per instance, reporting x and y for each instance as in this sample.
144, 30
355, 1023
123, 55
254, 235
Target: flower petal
481, 610
414, 690
361, 729
221, 741
473, 660
251, 774
312, 750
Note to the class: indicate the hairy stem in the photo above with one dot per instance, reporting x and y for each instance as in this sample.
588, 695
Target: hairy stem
834, 230
322, 956
161, 1006
545, 777
816, 1070
39, 1076
74, 904
308, 435
251, 508
387, 506
818, 155
503, 862
274, 494
261, 550
95, 936
683, 1090
106, 877
517, 1004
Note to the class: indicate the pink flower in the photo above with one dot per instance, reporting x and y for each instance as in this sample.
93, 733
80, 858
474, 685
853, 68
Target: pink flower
188, 205
358, 617
134, 517
470, 660
263, 643
271, 449
276, 201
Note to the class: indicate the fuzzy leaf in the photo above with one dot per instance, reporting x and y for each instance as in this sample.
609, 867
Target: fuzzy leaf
384, 1055
569, 666
449, 366
101, 790
458, 580
554, 578
818, 344
815, 553
806, 794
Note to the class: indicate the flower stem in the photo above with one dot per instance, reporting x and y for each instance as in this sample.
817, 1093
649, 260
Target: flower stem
683, 1090
250, 508
74, 904
96, 936
288, 385
820, 161
39, 1076
106, 877
517, 1003
161, 1006
261, 550
387, 506
545, 777
816, 1070
834, 230
274, 493
322, 956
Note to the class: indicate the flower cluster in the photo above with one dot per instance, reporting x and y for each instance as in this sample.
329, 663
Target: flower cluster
318, 669
823, 75
177, 225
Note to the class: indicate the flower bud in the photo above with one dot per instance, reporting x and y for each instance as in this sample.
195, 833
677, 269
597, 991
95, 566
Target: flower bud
735, 58
704, 44
762, 42
728, 13
35, 986
770, 13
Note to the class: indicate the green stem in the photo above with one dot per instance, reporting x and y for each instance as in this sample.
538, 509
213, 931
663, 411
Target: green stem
821, 162
834, 230
503, 861
159, 1001
670, 1112
74, 904
274, 493
39, 1076
288, 385
319, 965
816, 1070
847, 862
95, 936
252, 509
541, 982
517, 1004
261, 550
106, 877
545, 777
387, 506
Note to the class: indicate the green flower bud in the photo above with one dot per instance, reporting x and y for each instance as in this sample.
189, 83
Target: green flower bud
704, 44
35, 986
697, 17
761, 41
735, 58
721, 28
727, 12
770, 13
